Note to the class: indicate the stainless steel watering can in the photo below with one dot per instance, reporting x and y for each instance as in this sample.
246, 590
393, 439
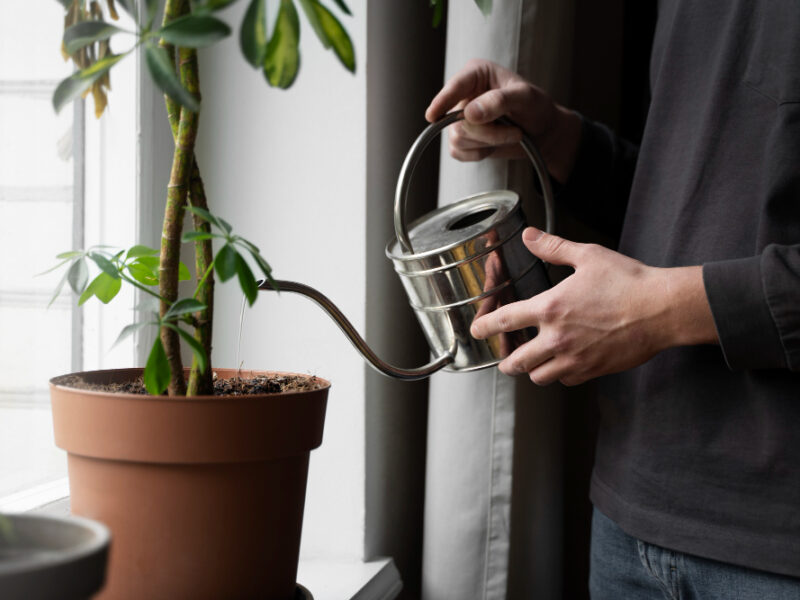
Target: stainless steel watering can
456, 263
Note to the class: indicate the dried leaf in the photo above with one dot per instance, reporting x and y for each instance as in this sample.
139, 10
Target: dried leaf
112, 10
100, 98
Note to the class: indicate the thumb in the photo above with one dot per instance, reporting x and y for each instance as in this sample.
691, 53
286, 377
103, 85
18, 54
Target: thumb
551, 248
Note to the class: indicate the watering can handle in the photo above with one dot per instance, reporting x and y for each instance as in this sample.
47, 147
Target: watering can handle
422, 142
347, 328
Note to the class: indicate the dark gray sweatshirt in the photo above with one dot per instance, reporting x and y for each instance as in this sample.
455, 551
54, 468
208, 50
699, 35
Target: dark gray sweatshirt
699, 448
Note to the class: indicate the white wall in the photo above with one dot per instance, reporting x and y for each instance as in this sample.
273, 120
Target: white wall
287, 169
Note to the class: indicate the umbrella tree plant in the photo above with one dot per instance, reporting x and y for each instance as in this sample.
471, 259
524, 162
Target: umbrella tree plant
170, 54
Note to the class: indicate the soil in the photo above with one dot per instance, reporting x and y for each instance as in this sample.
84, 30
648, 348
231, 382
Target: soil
235, 386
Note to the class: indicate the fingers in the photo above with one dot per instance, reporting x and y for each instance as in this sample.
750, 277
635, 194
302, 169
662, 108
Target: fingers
543, 365
527, 357
470, 142
487, 89
488, 107
467, 136
463, 85
553, 249
510, 317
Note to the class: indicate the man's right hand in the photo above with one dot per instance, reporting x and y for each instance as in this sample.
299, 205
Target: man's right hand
487, 91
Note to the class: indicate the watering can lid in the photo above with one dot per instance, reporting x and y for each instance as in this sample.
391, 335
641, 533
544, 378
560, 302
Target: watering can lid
453, 225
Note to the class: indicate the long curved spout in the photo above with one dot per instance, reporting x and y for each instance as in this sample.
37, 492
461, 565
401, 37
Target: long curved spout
357, 341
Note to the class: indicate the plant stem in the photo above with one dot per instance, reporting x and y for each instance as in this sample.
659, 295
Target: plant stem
182, 161
199, 383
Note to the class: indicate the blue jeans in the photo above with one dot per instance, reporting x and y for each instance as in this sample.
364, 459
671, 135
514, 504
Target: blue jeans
624, 568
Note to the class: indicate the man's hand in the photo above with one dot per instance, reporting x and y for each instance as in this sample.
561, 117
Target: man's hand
613, 313
487, 91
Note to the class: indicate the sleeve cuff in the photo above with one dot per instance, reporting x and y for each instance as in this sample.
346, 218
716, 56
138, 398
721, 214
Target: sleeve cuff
745, 327
592, 162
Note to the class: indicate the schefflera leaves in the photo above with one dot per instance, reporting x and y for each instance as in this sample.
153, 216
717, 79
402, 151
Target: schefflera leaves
279, 54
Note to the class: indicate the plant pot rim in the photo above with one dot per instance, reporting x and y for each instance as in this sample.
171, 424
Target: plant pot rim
92, 538
184, 430
57, 382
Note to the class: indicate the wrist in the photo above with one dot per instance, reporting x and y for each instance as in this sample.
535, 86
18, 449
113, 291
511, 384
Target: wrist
687, 318
561, 150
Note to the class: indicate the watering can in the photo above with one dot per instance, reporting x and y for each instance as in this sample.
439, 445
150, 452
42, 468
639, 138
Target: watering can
456, 263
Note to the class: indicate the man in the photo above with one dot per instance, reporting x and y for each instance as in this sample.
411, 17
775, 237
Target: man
695, 322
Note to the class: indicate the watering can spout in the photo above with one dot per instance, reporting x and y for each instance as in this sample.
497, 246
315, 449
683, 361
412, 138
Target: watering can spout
355, 338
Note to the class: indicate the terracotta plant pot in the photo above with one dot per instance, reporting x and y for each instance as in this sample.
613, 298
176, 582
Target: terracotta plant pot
204, 496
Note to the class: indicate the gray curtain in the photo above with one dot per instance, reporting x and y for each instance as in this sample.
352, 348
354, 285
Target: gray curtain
492, 512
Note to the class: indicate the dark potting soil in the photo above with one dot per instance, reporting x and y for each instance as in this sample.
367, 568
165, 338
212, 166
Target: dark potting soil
235, 386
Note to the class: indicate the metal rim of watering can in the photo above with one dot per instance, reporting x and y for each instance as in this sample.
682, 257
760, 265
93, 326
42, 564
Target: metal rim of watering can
415, 154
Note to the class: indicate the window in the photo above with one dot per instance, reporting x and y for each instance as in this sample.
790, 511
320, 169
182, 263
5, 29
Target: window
54, 172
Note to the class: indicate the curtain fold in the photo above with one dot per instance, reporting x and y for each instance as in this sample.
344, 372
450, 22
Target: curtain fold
493, 440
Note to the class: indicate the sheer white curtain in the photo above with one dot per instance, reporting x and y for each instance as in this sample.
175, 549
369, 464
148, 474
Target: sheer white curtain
493, 441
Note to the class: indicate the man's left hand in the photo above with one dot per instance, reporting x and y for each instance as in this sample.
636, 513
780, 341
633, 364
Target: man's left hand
613, 313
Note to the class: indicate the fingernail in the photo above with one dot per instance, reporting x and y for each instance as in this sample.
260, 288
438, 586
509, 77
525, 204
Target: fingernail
531, 234
473, 331
477, 109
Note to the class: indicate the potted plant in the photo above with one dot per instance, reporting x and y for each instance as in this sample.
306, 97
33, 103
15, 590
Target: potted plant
203, 489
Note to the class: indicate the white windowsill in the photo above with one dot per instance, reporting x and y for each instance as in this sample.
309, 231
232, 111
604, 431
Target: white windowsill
38, 497
326, 579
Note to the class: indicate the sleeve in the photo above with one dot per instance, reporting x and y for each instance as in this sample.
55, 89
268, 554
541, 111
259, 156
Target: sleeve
600, 183
756, 307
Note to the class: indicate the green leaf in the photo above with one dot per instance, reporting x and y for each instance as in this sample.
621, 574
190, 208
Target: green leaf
129, 330
77, 83
70, 254
225, 225
248, 245
78, 275
105, 265
246, 279
88, 32
139, 250
205, 215
196, 236
343, 6
313, 19
157, 371
183, 272
263, 265
142, 273
212, 5
197, 348
53, 268
253, 33
337, 35
152, 7
194, 31
485, 6
282, 59
438, 11
103, 286
148, 304
163, 73
58, 289
225, 262
184, 306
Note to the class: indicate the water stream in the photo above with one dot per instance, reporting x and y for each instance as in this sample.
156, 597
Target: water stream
239, 337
